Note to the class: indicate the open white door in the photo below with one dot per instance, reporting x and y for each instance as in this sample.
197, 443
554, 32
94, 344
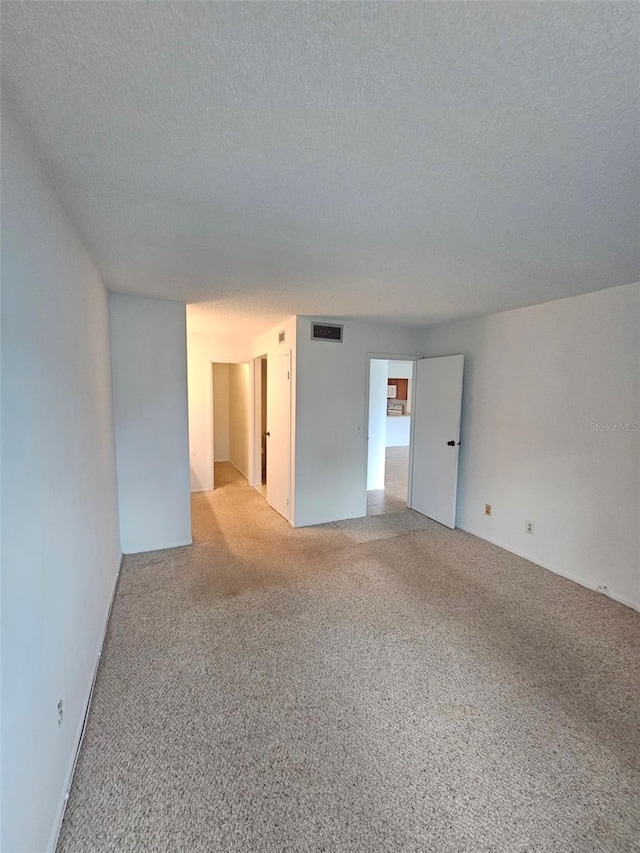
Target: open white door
279, 433
436, 436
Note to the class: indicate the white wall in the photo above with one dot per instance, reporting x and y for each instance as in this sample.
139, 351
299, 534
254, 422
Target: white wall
203, 349
221, 446
398, 433
377, 429
401, 369
149, 360
239, 409
60, 542
331, 459
536, 381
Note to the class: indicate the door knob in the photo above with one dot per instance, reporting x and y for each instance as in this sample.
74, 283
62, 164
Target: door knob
267, 433
451, 444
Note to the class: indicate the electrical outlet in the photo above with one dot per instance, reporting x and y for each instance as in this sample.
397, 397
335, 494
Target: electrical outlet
487, 509
60, 712
530, 527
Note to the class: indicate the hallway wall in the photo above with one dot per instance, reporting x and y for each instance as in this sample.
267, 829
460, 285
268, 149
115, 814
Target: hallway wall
221, 445
60, 541
239, 416
149, 358
331, 475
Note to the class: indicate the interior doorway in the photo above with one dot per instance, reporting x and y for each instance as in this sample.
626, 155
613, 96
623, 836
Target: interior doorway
264, 444
434, 406
231, 398
272, 430
389, 430
260, 428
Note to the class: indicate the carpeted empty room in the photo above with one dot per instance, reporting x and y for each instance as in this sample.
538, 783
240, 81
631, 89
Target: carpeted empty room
356, 688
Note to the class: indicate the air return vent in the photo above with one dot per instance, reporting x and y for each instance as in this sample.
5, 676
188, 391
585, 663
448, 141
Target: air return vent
325, 332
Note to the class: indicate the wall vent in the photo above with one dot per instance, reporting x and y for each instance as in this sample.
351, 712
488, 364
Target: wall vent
281, 337
326, 332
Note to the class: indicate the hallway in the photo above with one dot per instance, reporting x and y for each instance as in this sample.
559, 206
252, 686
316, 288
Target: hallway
393, 498
270, 689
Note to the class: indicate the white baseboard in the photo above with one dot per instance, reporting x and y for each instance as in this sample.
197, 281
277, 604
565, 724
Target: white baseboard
556, 571
163, 547
57, 824
622, 600
238, 468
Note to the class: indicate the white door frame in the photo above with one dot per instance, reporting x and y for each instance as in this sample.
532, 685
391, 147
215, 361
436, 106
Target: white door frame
285, 510
389, 357
255, 466
255, 455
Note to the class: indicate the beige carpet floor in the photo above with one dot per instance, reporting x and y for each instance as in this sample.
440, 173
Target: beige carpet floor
384, 525
270, 689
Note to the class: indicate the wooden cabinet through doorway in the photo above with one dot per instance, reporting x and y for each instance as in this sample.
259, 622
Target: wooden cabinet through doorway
402, 386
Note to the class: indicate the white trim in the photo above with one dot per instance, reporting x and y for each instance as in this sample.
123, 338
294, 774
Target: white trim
251, 435
198, 491
164, 547
57, 824
394, 356
384, 357
556, 571
255, 444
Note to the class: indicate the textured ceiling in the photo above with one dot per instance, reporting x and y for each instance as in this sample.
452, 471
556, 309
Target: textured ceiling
411, 161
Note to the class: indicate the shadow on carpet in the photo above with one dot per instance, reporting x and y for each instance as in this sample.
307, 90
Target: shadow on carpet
386, 526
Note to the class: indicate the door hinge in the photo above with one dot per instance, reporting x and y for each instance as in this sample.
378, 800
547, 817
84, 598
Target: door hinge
288, 377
